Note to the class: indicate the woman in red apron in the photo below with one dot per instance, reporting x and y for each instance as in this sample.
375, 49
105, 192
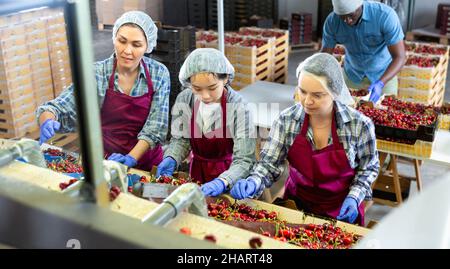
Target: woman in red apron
212, 127
131, 135
330, 148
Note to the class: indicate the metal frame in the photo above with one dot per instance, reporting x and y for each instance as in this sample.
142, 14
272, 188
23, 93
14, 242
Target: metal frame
46, 219
88, 112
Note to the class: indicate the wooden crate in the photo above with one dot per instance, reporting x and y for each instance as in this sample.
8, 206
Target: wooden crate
18, 127
433, 97
8, 94
281, 73
420, 149
421, 84
444, 122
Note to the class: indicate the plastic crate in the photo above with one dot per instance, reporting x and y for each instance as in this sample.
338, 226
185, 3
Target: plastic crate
423, 132
197, 11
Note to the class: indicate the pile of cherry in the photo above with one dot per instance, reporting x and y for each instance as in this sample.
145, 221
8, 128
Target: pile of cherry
426, 49
65, 185
359, 93
175, 181
65, 164
265, 33
311, 236
223, 211
234, 39
422, 61
400, 114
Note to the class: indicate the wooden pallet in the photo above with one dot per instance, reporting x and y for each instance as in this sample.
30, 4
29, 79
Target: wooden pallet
304, 47
428, 33
105, 27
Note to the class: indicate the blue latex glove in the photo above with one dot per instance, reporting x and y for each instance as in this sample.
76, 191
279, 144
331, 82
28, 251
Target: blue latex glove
133, 179
213, 188
48, 129
243, 188
74, 175
49, 158
166, 167
376, 90
349, 210
126, 160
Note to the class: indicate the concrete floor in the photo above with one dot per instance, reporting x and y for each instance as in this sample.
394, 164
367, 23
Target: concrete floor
431, 173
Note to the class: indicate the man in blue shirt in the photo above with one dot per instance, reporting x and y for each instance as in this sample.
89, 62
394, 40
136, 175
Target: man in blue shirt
373, 38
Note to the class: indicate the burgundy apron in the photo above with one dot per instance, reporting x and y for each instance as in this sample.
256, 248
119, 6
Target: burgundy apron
319, 180
213, 152
123, 117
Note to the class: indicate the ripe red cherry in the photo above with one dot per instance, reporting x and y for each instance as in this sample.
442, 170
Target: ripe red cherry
211, 238
255, 242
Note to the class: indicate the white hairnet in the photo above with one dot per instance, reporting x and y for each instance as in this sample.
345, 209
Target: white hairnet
205, 60
143, 21
344, 7
326, 66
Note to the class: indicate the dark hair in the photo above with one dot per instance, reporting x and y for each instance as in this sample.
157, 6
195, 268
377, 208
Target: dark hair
134, 25
216, 75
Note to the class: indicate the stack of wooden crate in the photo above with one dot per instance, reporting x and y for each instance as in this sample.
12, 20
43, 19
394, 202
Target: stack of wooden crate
280, 50
28, 71
256, 53
423, 77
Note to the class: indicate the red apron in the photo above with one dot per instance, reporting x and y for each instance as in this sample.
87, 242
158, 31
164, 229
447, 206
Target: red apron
213, 152
123, 117
319, 180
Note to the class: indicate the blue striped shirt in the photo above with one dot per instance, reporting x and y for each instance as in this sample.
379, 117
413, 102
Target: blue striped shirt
155, 128
356, 132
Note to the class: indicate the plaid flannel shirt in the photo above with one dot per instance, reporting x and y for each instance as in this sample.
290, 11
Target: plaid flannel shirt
356, 132
155, 128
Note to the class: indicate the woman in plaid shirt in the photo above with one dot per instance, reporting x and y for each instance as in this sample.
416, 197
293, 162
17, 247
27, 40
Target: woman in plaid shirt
331, 148
133, 92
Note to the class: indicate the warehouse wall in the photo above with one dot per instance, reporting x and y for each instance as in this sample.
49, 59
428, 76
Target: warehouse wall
286, 7
425, 12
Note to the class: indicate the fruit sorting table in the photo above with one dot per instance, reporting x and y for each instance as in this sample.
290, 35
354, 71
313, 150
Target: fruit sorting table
440, 155
267, 100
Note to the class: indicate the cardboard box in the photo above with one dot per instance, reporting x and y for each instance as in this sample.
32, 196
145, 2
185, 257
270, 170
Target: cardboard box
108, 11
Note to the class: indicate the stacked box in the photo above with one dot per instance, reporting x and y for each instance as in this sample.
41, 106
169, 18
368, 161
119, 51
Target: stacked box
423, 77
22, 43
260, 22
40, 61
443, 19
263, 8
229, 12
280, 50
197, 13
58, 52
241, 16
173, 46
178, 18
284, 24
108, 11
251, 54
301, 28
